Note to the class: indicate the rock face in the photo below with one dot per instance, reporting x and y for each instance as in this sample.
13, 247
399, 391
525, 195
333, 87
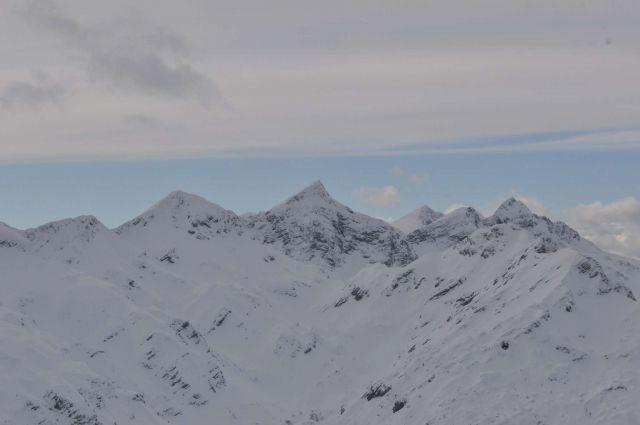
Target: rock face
312, 226
313, 313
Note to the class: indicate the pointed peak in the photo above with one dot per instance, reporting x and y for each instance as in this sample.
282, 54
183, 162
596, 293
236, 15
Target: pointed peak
315, 191
512, 208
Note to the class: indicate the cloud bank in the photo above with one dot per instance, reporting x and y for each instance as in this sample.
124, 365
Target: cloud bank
333, 78
613, 226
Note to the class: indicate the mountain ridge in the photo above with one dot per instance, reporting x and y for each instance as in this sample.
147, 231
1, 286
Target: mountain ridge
313, 313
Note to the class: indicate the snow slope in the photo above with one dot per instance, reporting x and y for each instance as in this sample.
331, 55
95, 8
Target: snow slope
313, 313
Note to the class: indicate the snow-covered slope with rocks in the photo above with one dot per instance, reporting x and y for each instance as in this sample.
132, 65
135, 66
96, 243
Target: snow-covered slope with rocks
313, 313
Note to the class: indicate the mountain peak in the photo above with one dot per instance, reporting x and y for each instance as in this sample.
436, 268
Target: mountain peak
178, 198
315, 190
512, 204
62, 233
510, 210
311, 198
180, 202
416, 219
181, 209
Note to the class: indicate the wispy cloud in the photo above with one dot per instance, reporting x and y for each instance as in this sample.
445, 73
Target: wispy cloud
385, 196
453, 207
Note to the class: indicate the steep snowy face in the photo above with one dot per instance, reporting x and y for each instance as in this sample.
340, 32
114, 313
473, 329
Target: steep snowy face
449, 229
487, 328
313, 226
185, 213
416, 219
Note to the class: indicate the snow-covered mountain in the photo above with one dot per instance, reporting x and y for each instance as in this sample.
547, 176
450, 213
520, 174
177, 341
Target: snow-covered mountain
312, 226
313, 313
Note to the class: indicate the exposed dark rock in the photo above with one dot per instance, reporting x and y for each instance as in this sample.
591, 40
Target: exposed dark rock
398, 405
376, 391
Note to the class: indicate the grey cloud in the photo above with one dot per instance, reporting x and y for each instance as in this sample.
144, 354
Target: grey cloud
373, 78
134, 61
150, 73
30, 94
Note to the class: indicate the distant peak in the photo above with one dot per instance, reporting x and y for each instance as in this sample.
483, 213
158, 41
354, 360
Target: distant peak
84, 227
86, 221
179, 195
416, 219
427, 210
467, 211
179, 199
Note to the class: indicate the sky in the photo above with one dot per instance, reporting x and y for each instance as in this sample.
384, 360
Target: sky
107, 106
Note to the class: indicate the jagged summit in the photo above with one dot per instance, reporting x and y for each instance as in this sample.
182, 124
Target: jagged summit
517, 213
416, 219
448, 229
